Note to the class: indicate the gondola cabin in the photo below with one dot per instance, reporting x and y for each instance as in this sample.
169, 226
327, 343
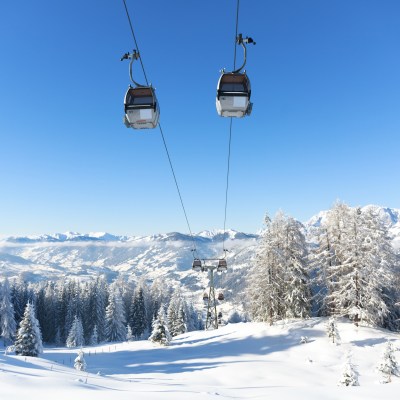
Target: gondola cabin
222, 265
196, 266
205, 296
233, 95
221, 296
141, 108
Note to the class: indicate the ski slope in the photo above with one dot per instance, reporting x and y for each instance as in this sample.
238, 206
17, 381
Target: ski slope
237, 361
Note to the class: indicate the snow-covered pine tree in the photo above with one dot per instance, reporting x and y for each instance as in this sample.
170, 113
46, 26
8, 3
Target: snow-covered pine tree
129, 336
46, 311
29, 338
74, 304
138, 321
87, 323
362, 276
94, 338
172, 314
234, 317
61, 310
297, 295
127, 290
57, 338
8, 325
378, 255
279, 285
192, 318
115, 316
350, 374
388, 365
180, 326
160, 333
20, 297
98, 304
176, 314
332, 330
75, 336
265, 288
323, 262
79, 362
160, 293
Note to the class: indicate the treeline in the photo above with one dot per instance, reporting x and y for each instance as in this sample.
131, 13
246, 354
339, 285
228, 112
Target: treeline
347, 268
74, 313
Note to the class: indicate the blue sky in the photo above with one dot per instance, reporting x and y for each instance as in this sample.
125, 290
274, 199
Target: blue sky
325, 123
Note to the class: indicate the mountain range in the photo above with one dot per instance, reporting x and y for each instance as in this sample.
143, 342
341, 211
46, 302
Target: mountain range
166, 256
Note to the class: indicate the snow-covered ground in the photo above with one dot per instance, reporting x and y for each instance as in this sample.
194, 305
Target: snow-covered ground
238, 361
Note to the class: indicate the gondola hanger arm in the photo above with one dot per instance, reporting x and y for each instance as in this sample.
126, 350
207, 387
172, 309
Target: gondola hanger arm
132, 56
242, 42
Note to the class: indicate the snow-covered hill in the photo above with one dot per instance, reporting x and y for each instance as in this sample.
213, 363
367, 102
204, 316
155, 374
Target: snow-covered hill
238, 361
166, 256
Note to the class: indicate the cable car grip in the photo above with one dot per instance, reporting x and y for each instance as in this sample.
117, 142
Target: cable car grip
242, 42
132, 56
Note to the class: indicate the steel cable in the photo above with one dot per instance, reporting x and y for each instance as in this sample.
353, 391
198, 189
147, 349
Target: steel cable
162, 135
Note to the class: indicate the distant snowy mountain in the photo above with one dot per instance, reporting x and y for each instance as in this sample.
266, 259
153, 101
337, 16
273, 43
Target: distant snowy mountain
168, 256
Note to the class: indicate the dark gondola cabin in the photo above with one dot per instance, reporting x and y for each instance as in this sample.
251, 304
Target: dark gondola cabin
233, 95
221, 296
222, 265
141, 108
197, 265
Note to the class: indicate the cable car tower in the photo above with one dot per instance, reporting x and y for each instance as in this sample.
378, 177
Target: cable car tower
210, 265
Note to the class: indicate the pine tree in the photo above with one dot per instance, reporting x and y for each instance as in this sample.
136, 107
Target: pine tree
57, 338
61, 311
388, 365
74, 304
180, 326
359, 272
115, 316
29, 337
350, 375
177, 314
265, 285
94, 338
160, 333
192, 318
137, 318
279, 283
8, 325
160, 293
87, 323
323, 261
129, 335
19, 295
75, 336
99, 301
46, 312
332, 331
79, 362
297, 296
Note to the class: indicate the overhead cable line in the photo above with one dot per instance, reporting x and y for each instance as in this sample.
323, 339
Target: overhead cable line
194, 250
136, 44
230, 132
177, 188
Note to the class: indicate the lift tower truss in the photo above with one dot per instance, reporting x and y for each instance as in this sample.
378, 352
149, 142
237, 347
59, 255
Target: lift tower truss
211, 265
